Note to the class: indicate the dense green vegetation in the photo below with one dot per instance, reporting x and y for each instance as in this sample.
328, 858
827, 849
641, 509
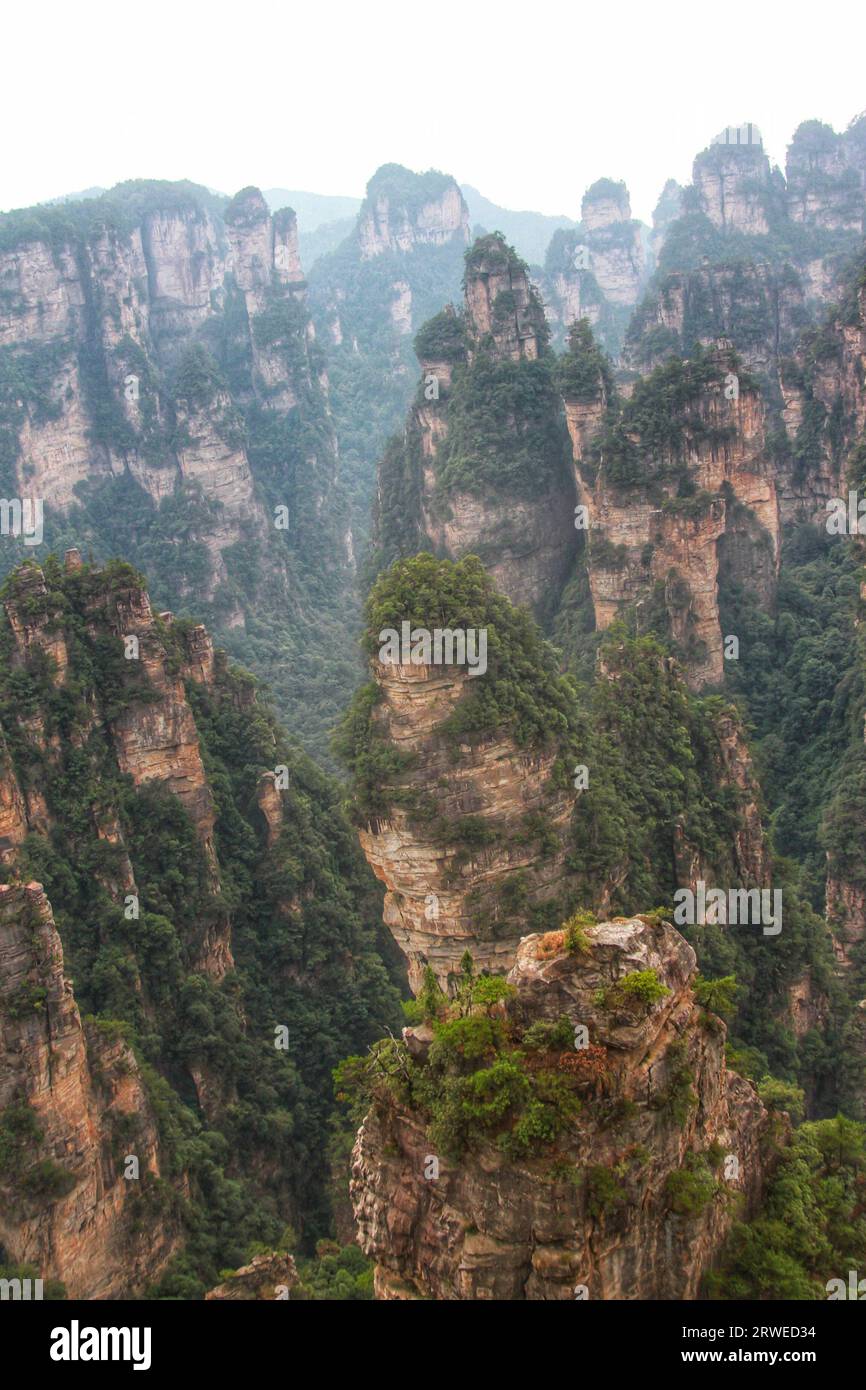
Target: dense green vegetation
505, 432
485, 1080
811, 1228
583, 372
118, 211
282, 598
644, 440
522, 692
372, 369
304, 920
657, 790
752, 288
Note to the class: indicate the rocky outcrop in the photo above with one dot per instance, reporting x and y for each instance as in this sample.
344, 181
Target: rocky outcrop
162, 342
605, 1216
734, 183
667, 210
846, 915
266, 1277
414, 228
761, 308
444, 894
403, 210
825, 417
664, 519
152, 731
73, 1101
517, 517
825, 183
597, 271
801, 230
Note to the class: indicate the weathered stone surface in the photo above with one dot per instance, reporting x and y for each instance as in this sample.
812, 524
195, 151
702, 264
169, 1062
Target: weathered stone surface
141, 298
266, 1277
492, 1228
640, 538
79, 1083
527, 543
436, 893
385, 225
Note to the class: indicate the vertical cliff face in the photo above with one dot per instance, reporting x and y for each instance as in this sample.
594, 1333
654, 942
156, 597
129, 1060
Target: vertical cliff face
825, 413
826, 418
146, 720
825, 186
599, 270
476, 860
801, 231
676, 487
400, 263
734, 183
503, 313
482, 465
403, 211
73, 1110
502, 1155
266, 268
666, 211
163, 393
205, 889
630, 1201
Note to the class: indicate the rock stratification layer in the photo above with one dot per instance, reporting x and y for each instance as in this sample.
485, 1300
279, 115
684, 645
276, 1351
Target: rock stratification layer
440, 889
677, 489
609, 1219
482, 467
74, 1110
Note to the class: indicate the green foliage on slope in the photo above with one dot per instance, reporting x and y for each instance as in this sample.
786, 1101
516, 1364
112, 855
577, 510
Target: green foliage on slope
304, 923
811, 1228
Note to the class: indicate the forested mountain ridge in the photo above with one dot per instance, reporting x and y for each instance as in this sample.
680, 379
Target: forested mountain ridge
718, 552
753, 255
220, 930
163, 395
656, 541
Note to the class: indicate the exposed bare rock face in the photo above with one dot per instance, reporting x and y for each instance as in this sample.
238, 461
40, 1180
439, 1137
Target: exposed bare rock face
751, 854
518, 518
266, 268
846, 913
802, 230
825, 418
81, 1110
663, 520
666, 212
501, 304
402, 211
733, 183
270, 804
599, 1217
599, 270
266, 1277
153, 736
825, 177
439, 891
415, 229
166, 352
700, 305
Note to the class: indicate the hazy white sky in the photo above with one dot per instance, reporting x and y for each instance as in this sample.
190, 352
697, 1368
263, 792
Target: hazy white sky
529, 102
